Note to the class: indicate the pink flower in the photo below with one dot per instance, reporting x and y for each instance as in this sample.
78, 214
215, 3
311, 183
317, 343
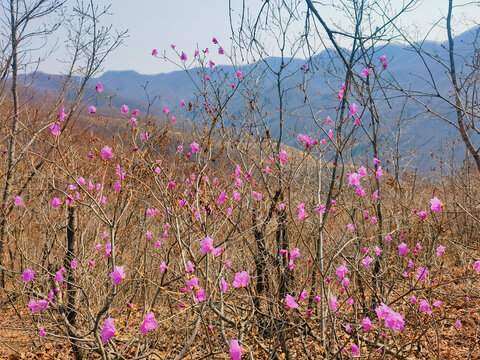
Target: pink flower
295, 253
171, 184
92, 109
341, 271
18, 201
425, 307
99, 87
108, 330
163, 267
366, 324
476, 265
440, 250
354, 179
350, 227
422, 214
241, 279
458, 324
376, 161
283, 156
154, 52
118, 275
353, 109
211, 63
402, 249
195, 147
225, 285
200, 295
239, 74
437, 303
192, 283
290, 302
55, 128
367, 261
354, 349
165, 110
435, 205
183, 57
28, 275
61, 115
365, 72
107, 152
220, 51
383, 59
422, 273
124, 109
207, 245
42, 332
333, 302
379, 172
222, 197
149, 323
235, 350
302, 295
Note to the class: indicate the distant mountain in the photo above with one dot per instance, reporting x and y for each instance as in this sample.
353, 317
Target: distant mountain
421, 131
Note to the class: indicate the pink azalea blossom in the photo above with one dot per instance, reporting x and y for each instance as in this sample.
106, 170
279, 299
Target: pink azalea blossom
200, 295
476, 265
353, 109
354, 179
435, 205
124, 109
192, 283
241, 279
342, 271
366, 324
238, 74
28, 275
118, 275
18, 201
107, 152
154, 52
422, 273
108, 331
290, 302
183, 57
195, 147
365, 72
235, 350
61, 115
367, 261
163, 267
333, 302
225, 285
458, 324
42, 332
207, 245
92, 109
440, 250
425, 307
55, 128
354, 350
379, 172
149, 323
402, 249
99, 87
295, 253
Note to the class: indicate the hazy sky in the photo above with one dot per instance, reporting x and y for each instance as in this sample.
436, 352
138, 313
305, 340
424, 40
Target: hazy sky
186, 23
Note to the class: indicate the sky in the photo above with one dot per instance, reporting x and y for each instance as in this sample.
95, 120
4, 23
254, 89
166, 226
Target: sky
156, 24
